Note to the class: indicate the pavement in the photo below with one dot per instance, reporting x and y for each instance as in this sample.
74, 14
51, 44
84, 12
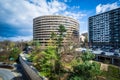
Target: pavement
6, 74
13, 74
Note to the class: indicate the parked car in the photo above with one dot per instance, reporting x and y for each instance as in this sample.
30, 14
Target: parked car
111, 50
94, 48
116, 54
102, 53
83, 51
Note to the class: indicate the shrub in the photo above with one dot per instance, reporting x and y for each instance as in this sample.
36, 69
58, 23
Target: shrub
114, 71
14, 53
87, 70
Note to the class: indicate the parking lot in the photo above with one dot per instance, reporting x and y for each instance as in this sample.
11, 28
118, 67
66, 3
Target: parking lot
111, 57
100, 51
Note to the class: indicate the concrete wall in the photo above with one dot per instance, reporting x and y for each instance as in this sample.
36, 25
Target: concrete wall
30, 70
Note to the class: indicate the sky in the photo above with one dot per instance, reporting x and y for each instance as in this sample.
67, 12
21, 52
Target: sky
16, 16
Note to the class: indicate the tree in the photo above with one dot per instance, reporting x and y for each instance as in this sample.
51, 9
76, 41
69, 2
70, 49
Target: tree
59, 41
36, 43
45, 62
11, 45
48, 61
52, 41
61, 35
87, 70
87, 56
85, 41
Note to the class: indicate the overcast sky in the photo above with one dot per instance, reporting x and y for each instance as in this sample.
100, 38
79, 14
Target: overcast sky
16, 16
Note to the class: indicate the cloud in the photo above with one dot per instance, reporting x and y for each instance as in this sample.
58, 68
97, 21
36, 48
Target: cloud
20, 13
76, 16
18, 38
106, 7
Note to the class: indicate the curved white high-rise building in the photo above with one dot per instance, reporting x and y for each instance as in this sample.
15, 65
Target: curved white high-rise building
43, 26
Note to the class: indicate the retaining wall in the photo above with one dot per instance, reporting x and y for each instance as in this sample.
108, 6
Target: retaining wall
29, 69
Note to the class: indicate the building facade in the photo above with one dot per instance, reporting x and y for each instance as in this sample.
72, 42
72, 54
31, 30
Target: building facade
43, 26
104, 29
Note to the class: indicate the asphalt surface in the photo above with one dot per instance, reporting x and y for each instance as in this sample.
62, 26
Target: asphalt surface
17, 74
6, 74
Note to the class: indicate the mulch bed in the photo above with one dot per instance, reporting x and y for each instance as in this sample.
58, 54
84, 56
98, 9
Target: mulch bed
6, 66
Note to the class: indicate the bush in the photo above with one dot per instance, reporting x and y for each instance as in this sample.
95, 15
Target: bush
4, 56
14, 53
114, 71
112, 78
86, 70
104, 73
